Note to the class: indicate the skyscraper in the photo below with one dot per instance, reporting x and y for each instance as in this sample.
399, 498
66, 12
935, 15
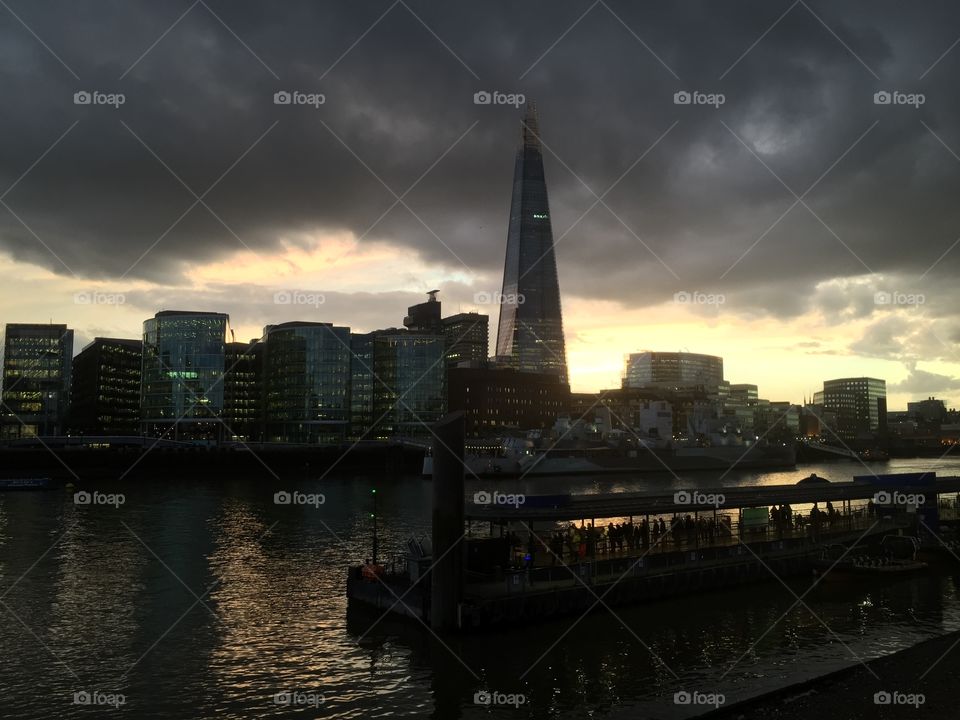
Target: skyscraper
530, 334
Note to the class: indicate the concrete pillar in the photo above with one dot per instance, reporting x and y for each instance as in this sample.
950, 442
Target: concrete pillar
446, 579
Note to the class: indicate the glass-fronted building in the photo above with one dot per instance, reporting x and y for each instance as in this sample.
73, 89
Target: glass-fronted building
36, 379
182, 379
467, 338
409, 384
105, 396
859, 405
673, 370
307, 373
530, 332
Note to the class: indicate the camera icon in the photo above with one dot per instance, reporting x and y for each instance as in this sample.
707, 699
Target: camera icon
883, 498
482, 698
82, 498
882, 298
283, 297
81, 298
682, 497
282, 98
282, 498
482, 98
882, 698
82, 697
82, 98
284, 697
482, 498
682, 297
682, 97
482, 298
882, 97
682, 698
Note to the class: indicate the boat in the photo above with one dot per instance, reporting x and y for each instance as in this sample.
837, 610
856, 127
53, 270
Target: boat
516, 457
35, 483
897, 556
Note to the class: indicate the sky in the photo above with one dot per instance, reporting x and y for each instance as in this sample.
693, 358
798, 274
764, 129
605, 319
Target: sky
798, 216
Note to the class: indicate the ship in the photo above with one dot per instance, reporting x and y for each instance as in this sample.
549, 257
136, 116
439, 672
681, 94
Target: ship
515, 457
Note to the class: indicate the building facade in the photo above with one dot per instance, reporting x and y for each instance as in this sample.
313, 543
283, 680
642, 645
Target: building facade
408, 385
530, 332
182, 380
498, 400
674, 370
105, 393
859, 404
307, 373
37, 372
243, 391
466, 338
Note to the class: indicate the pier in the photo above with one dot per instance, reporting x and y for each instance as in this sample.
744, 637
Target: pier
526, 559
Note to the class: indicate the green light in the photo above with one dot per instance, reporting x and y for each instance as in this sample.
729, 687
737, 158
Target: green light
374, 491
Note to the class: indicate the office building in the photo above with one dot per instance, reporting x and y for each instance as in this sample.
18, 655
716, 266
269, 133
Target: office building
466, 338
243, 391
307, 369
182, 382
859, 404
105, 392
408, 384
675, 370
530, 332
37, 372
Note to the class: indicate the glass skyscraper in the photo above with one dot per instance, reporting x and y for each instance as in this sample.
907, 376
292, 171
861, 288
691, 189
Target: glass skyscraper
530, 334
183, 367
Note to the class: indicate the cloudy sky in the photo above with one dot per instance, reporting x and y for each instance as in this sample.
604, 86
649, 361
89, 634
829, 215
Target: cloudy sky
809, 225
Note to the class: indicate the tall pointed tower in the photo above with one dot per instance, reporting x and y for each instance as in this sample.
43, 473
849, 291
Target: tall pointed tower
530, 335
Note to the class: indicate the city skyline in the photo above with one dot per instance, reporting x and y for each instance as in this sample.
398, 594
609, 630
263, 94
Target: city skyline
701, 244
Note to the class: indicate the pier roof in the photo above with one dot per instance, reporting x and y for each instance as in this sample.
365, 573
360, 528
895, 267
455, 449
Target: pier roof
637, 504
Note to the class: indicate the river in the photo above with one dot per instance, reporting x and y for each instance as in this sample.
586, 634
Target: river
202, 598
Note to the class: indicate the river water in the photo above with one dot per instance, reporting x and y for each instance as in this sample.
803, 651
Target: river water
202, 598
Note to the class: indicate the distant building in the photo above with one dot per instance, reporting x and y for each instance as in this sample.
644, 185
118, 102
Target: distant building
105, 394
743, 394
859, 404
361, 386
530, 333
307, 368
409, 383
497, 400
466, 337
929, 411
183, 367
243, 391
674, 370
36, 380
425, 317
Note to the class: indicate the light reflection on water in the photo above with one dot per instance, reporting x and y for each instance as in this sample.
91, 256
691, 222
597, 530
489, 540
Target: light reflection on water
102, 610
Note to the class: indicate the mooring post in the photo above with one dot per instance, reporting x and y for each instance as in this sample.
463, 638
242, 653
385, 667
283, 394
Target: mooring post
447, 573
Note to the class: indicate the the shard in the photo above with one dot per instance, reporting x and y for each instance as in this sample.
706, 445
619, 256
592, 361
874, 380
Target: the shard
530, 334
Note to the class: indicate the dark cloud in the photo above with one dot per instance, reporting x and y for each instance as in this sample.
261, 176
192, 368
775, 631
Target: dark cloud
882, 187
